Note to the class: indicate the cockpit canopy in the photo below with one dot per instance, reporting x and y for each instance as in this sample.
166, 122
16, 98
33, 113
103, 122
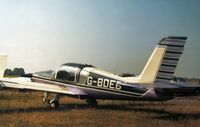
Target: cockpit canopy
67, 72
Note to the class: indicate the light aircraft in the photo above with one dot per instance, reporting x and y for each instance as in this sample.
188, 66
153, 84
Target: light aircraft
89, 83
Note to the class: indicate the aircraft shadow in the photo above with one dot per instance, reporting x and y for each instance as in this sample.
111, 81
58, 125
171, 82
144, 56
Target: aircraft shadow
161, 114
158, 113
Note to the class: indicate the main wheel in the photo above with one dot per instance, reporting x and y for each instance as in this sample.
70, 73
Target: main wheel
91, 102
54, 104
197, 92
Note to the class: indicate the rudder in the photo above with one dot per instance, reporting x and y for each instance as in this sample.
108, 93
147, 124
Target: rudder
162, 62
175, 47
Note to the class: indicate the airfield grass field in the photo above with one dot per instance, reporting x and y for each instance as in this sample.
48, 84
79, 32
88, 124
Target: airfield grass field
28, 110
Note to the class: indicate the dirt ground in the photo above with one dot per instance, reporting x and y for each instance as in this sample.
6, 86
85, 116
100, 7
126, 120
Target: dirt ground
27, 110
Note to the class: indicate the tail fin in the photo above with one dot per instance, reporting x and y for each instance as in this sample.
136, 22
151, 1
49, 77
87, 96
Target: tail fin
3, 64
163, 61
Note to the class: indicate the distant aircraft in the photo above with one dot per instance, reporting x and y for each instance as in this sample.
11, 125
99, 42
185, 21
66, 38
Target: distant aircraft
90, 83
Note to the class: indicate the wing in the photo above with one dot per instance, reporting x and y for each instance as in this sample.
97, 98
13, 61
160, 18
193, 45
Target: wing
26, 83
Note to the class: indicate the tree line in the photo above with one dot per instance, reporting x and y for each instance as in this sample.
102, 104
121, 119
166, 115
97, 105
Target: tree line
15, 72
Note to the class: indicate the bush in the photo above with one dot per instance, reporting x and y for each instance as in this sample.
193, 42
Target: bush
14, 72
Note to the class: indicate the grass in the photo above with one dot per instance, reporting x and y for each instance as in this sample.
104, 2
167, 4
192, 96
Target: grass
27, 109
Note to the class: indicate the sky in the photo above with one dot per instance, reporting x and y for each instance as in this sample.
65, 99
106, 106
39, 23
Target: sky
115, 35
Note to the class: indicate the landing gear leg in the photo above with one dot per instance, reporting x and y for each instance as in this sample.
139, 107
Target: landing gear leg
91, 102
45, 98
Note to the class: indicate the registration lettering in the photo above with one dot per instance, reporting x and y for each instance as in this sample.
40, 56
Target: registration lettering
103, 82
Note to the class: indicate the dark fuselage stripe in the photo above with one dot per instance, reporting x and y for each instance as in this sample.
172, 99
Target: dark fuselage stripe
127, 88
92, 87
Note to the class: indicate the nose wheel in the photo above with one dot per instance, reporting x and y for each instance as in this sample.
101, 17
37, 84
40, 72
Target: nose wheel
54, 103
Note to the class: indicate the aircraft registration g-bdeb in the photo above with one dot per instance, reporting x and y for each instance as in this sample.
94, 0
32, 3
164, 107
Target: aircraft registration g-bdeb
89, 83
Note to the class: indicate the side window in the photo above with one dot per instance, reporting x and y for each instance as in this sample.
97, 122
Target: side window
67, 73
62, 75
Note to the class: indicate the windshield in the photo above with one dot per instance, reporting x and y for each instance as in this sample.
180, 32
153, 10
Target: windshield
46, 74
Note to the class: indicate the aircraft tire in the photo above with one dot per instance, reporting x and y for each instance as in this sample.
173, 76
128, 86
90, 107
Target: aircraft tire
91, 102
54, 104
197, 92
